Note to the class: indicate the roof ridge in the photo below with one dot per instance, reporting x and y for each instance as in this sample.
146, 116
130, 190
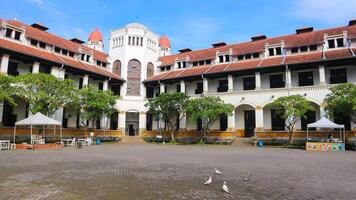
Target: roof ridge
209, 68
181, 72
227, 66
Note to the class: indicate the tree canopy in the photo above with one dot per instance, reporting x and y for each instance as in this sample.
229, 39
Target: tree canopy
208, 110
291, 108
342, 100
44, 93
6, 88
95, 104
168, 107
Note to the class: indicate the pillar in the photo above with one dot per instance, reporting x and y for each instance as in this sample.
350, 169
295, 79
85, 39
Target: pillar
35, 68
230, 80
323, 112
182, 86
205, 86
58, 72
1, 111
231, 122
161, 88
85, 80
258, 80
183, 124
322, 75
259, 118
105, 85
142, 122
4, 63
122, 122
288, 78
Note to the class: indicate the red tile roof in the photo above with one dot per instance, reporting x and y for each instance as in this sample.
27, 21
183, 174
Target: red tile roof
56, 58
254, 64
293, 40
51, 39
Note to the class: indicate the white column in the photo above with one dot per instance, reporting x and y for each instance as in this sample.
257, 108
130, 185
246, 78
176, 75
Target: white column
322, 111
183, 124
259, 118
4, 63
35, 68
162, 88
288, 78
85, 80
230, 80
258, 80
1, 111
57, 72
105, 85
122, 122
322, 75
142, 122
205, 86
182, 86
231, 122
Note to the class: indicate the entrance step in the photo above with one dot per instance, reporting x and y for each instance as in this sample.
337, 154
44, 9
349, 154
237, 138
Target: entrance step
243, 141
132, 140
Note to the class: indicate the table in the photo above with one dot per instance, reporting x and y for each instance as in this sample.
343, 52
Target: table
325, 146
68, 142
4, 144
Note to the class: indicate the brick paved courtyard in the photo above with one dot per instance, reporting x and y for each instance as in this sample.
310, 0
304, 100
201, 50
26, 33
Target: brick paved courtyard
147, 171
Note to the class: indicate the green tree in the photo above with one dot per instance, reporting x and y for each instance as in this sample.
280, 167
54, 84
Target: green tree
168, 107
342, 100
44, 93
94, 105
6, 88
208, 109
291, 109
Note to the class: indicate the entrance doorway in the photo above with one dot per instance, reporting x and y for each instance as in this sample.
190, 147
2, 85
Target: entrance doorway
250, 123
132, 123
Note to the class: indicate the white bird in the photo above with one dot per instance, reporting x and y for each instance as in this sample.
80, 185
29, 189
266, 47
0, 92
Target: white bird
217, 171
225, 188
208, 181
246, 179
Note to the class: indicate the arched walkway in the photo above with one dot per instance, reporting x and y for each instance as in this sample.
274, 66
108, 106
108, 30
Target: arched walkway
245, 119
132, 123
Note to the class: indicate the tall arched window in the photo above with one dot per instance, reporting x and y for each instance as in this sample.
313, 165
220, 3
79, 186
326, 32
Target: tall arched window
116, 67
133, 78
150, 70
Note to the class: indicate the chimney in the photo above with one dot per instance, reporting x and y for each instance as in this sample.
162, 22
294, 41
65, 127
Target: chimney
258, 37
304, 30
352, 22
218, 44
39, 26
184, 50
77, 40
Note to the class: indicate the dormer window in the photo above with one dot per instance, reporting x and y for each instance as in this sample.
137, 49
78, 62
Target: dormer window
13, 34
85, 57
336, 41
224, 58
42, 45
274, 51
181, 64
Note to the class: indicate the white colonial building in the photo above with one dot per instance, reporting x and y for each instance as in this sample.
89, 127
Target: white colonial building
140, 65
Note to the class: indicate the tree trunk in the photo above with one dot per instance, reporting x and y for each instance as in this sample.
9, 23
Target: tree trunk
172, 136
289, 139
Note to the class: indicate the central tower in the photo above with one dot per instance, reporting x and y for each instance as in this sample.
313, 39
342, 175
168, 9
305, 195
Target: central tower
133, 52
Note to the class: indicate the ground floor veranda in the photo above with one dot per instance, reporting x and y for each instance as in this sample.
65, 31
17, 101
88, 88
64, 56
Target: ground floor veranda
246, 120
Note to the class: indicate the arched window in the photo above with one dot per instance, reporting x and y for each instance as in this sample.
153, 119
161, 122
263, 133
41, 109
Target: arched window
150, 70
116, 67
133, 78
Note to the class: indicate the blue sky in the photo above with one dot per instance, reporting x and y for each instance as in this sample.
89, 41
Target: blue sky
191, 24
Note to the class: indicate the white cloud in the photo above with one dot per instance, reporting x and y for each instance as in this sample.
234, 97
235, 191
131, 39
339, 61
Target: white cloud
334, 11
50, 8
